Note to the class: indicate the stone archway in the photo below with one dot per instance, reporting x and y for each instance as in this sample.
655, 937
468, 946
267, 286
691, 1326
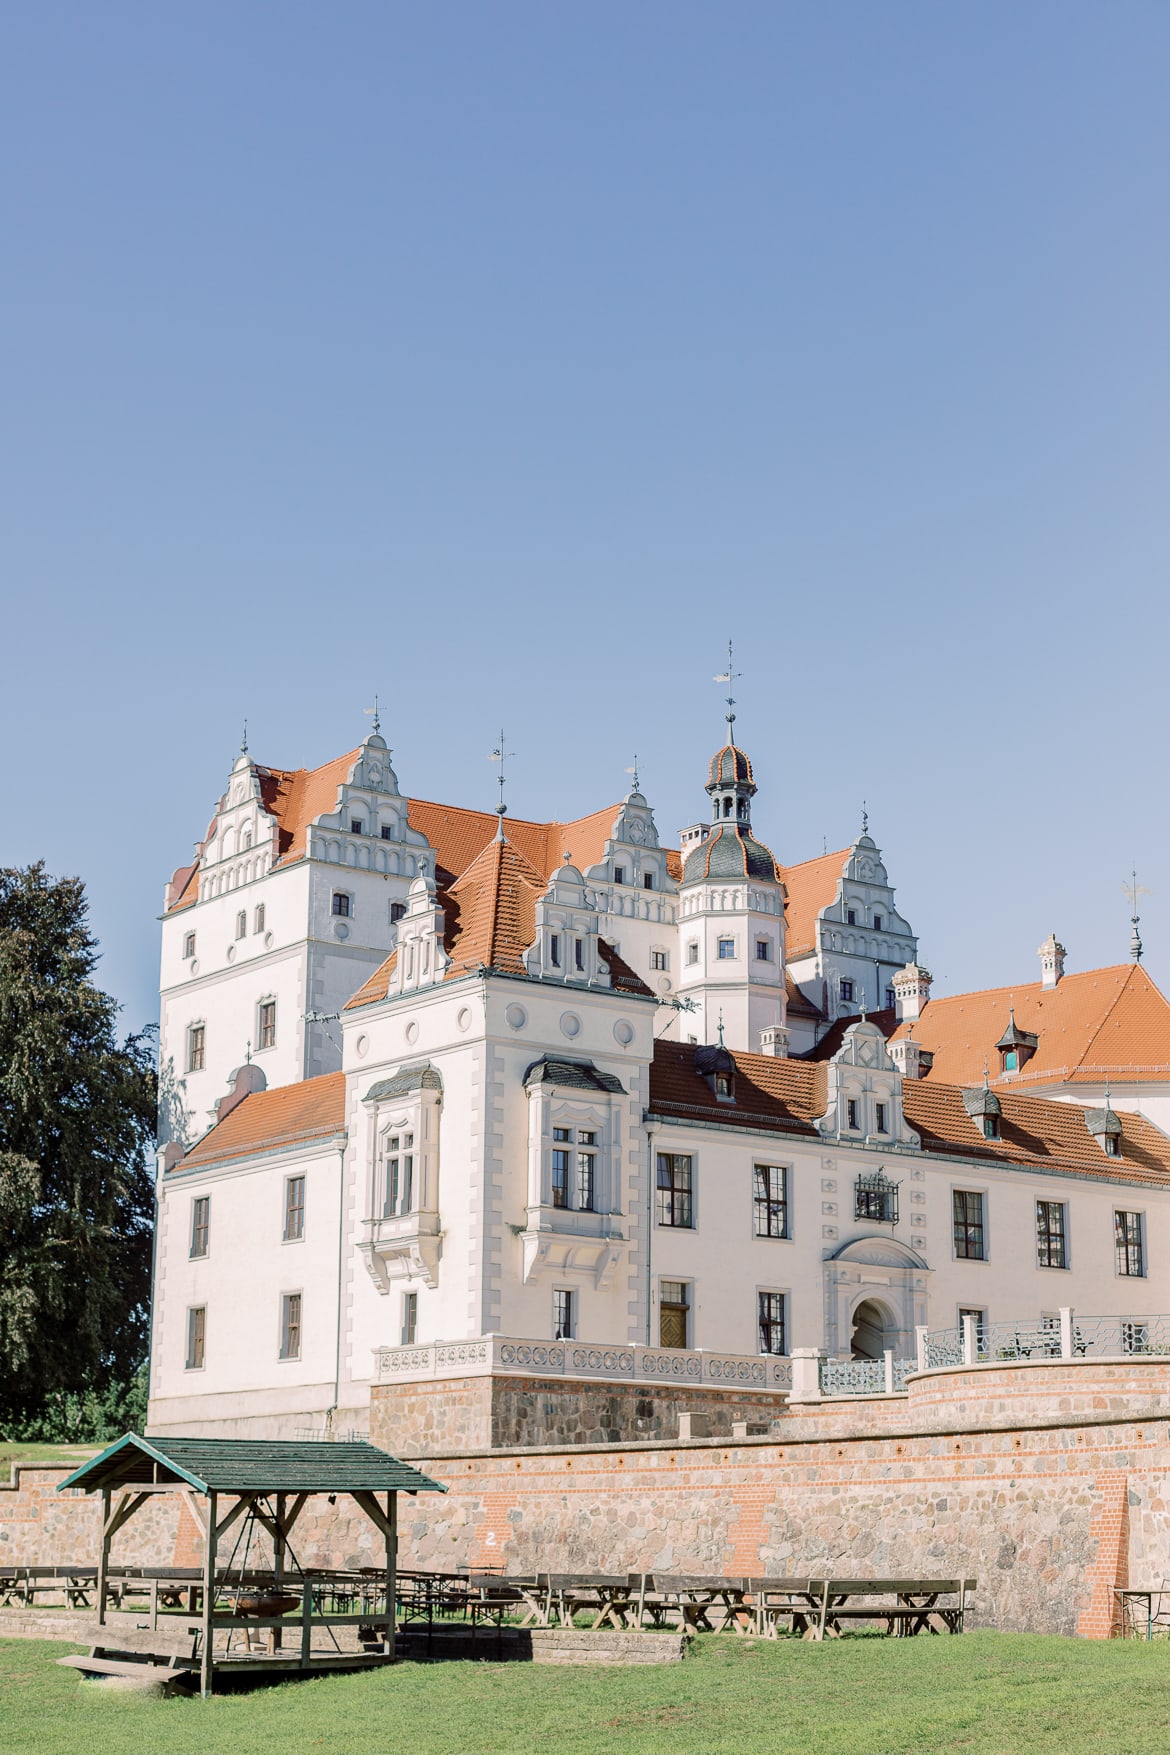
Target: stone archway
888, 1275
875, 1328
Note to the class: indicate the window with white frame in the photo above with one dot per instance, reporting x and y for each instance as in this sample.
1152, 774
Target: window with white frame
266, 1024
692, 952
771, 1329
294, 1208
725, 949
196, 1336
397, 1172
200, 1225
970, 1228
659, 960
1128, 1245
290, 1325
196, 1047
676, 1175
341, 904
409, 1318
574, 1168
1051, 1238
563, 1314
763, 950
771, 1200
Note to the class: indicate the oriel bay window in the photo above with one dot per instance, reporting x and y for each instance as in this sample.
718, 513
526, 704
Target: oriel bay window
397, 1174
1051, 1247
770, 1322
771, 1201
675, 1190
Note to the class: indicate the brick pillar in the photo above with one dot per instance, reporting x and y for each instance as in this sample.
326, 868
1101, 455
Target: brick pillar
489, 1543
1100, 1616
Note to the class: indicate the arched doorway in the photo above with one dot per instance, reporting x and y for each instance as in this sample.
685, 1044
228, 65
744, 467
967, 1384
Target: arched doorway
873, 1330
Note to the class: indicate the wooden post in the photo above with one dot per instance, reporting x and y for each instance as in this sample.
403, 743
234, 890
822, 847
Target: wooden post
207, 1664
278, 1551
391, 1572
103, 1558
306, 1619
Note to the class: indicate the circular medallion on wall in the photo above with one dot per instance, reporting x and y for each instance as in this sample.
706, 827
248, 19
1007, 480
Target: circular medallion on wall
570, 1024
623, 1032
463, 1021
269, 941
231, 953
193, 968
412, 1031
516, 1016
362, 1047
664, 984
340, 929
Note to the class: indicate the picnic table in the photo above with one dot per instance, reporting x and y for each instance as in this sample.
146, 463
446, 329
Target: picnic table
1142, 1610
819, 1608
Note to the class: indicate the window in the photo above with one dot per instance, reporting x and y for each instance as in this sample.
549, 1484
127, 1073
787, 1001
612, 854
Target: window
200, 1225
770, 1321
673, 1307
341, 905
875, 1198
241, 923
397, 912
619, 874
877, 922
562, 1315
387, 832
724, 1086
355, 826
1050, 1240
398, 1174
771, 1201
561, 1165
554, 949
196, 1336
647, 880
268, 1023
726, 948
1127, 1238
659, 960
578, 953
189, 944
675, 1180
846, 990
585, 1170
851, 1113
258, 918
990, 1127
196, 1043
290, 1325
851, 917
409, 1318
692, 953
891, 999
763, 950
880, 1112
969, 1225
1111, 1144
294, 1208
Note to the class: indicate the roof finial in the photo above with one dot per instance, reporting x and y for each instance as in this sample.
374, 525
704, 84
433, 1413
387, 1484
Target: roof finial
244, 740
986, 1077
721, 1026
1133, 890
864, 818
247, 1054
501, 755
372, 713
634, 772
729, 677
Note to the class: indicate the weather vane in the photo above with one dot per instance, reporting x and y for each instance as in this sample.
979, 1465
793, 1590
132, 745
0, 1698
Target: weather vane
501, 755
244, 740
1132, 891
372, 713
729, 676
634, 771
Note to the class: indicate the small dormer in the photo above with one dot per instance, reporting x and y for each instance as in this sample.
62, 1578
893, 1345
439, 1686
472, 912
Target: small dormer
1105, 1127
717, 1067
983, 1106
1015, 1047
422, 959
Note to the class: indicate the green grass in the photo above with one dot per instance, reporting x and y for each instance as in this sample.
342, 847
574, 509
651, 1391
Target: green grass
32, 1454
982, 1694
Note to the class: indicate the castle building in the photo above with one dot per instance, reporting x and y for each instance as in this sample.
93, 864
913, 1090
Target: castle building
450, 1097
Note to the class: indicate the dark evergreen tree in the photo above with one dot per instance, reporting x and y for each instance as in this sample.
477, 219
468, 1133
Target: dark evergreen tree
77, 1111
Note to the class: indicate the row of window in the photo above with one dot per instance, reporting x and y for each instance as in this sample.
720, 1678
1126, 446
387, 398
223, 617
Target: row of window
619, 877
342, 906
726, 953
293, 1228
847, 993
674, 1316
291, 1327
969, 1211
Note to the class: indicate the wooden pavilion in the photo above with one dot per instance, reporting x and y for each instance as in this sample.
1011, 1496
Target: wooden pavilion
253, 1487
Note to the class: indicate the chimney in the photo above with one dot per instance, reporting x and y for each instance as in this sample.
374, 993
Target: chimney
907, 1056
774, 1040
911, 992
1051, 954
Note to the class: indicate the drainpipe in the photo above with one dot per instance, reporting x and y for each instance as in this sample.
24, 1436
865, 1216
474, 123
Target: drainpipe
340, 1278
649, 1232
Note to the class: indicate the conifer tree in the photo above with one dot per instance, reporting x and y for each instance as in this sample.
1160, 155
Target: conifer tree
77, 1110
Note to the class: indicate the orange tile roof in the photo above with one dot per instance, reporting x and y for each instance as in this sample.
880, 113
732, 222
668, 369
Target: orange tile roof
789, 1095
296, 797
811, 886
1105, 1023
491, 911
378, 984
458, 835
264, 1120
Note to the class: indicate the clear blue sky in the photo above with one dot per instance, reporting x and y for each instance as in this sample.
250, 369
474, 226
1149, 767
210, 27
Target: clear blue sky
505, 359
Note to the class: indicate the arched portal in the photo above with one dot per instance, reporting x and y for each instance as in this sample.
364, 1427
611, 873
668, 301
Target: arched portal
874, 1330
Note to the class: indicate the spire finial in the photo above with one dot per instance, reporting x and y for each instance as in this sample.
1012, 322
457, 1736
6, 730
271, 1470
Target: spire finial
372, 713
1133, 890
986, 1077
634, 772
244, 740
247, 1054
501, 755
864, 818
721, 1026
729, 676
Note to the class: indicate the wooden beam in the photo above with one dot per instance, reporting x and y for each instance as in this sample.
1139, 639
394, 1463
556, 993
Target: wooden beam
192, 1501
376, 1515
207, 1663
298, 1505
237, 1511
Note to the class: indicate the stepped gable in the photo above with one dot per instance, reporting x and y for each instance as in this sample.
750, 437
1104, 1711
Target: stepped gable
1105, 1023
263, 1120
811, 886
785, 1094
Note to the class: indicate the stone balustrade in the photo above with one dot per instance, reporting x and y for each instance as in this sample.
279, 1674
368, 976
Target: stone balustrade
503, 1355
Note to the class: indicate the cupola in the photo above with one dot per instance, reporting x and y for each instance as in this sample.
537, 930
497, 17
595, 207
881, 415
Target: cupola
1015, 1047
983, 1106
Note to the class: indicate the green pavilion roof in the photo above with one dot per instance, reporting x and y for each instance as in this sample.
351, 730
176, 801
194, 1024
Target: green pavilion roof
249, 1465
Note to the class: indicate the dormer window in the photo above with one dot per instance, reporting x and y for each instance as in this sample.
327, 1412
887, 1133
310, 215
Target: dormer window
991, 1127
579, 953
554, 949
619, 874
723, 1085
851, 1114
1015, 1047
717, 1067
1112, 1145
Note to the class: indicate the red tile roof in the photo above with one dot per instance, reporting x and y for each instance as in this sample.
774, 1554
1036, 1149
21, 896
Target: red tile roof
1105, 1023
264, 1120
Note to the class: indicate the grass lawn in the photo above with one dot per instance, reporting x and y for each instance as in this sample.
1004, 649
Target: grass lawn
42, 1453
983, 1694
